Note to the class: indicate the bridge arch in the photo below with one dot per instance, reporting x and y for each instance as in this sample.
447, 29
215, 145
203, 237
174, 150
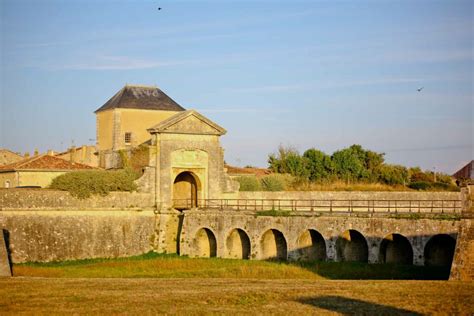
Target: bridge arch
352, 246
396, 248
186, 189
205, 244
273, 245
311, 246
238, 244
439, 250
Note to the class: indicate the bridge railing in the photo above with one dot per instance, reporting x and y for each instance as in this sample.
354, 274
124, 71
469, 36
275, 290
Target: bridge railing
335, 205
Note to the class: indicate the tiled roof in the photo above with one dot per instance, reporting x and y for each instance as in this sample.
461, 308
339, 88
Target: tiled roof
141, 97
44, 162
7, 156
466, 172
250, 171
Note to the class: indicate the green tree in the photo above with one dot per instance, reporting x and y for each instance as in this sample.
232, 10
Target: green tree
393, 174
319, 165
347, 164
288, 160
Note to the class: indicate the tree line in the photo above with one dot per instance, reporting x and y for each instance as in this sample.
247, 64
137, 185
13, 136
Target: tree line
351, 165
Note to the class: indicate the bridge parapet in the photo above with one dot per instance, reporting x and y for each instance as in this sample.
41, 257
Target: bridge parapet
344, 207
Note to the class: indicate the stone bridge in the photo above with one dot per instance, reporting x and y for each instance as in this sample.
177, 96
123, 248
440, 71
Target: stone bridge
368, 231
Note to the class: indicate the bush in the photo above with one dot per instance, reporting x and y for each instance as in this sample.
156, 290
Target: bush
273, 182
420, 185
248, 183
83, 184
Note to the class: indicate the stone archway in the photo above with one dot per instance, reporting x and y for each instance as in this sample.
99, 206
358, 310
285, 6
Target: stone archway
396, 248
205, 243
352, 246
238, 244
439, 250
273, 245
185, 191
311, 246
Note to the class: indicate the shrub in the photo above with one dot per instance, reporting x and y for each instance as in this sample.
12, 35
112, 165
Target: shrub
420, 185
273, 182
83, 184
248, 183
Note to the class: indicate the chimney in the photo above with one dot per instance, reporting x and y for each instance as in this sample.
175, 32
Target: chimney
36, 152
27, 155
50, 152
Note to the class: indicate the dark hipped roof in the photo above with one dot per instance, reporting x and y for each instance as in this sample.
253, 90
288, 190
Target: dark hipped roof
141, 97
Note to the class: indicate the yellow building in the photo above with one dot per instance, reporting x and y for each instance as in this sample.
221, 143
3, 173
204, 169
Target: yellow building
122, 121
37, 171
86, 155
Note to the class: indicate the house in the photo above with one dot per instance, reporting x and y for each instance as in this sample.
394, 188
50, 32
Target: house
86, 155
36, 171
466, 172
8, 157
122, 122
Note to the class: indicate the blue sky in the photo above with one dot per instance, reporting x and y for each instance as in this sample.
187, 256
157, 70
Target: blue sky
323, 74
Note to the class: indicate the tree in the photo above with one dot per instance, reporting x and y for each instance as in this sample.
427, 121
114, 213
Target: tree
319, 165
288, 160
348, 164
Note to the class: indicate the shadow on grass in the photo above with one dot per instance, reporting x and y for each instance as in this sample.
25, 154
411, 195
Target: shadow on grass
350, 306
366, 271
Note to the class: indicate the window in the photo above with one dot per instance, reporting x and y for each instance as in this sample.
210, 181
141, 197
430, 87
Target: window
7, 184
128, 138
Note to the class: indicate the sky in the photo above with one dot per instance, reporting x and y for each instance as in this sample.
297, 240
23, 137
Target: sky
305, 74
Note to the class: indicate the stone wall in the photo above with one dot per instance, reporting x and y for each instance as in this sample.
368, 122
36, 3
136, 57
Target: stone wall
463, 263
51, 199
39, 235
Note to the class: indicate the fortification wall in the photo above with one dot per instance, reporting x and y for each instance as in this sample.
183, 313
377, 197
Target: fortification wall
463, 263
52, 199
40, 235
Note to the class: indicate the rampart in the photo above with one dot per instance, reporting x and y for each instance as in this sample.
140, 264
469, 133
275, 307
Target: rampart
41, 235
52, 199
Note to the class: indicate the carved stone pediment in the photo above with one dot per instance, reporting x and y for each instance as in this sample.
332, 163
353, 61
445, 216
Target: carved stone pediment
188, 122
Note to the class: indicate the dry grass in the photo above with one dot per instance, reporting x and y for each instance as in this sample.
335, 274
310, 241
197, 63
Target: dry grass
233, 296
343, 186
152, 265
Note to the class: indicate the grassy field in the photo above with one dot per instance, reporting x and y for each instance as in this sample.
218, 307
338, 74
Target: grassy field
152, 265
171, 284
233, 296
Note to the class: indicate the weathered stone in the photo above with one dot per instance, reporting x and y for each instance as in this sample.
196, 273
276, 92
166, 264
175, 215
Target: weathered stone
40, 235
5, 270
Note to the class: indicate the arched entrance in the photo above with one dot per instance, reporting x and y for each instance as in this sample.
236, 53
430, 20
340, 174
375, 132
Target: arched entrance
185, 191
396, 248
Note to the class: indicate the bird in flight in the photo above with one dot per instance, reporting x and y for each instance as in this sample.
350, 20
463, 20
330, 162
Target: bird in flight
419, 89
159, 9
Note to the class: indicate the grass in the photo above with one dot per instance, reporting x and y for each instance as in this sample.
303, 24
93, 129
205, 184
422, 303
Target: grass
233, 296
416, 216
273, 213
152, 265
168, 284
